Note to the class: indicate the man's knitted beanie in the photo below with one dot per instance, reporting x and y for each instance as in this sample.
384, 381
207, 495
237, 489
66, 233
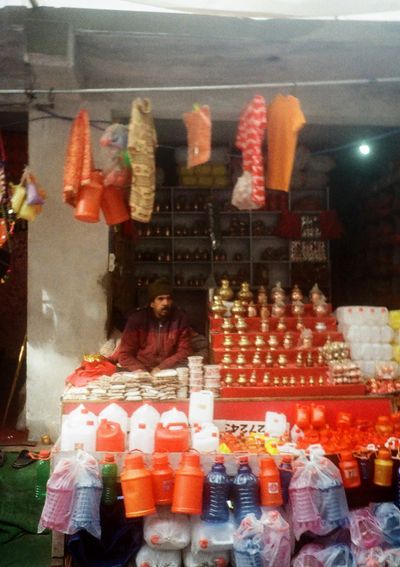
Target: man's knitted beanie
161, 286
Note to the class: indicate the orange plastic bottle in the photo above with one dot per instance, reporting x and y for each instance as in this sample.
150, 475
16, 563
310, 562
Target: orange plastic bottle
162, 477
110, 437
188, 488
383, 468
137, 487
270, 483
349, 470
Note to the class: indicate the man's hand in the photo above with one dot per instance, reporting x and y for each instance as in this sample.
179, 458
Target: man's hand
155, 370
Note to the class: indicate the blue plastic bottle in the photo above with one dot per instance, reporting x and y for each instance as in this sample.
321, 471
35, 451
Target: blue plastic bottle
245, 492
216, 493
285, 473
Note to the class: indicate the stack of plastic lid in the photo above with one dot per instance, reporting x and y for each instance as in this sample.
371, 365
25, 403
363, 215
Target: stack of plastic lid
183, 377
195, 373
212, 378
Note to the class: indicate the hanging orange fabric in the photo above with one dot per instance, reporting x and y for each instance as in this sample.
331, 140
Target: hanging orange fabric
78, 159
284, 121
198, 126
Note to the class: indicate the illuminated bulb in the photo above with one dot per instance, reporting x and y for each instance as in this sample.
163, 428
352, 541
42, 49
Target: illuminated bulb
364, 149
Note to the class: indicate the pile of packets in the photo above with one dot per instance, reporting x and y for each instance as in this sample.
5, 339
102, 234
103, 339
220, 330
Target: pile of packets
360, 435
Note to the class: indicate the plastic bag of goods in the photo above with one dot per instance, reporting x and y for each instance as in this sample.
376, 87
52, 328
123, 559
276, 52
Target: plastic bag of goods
205, 558
388, 518
365, 531
276, 549
362, 315
248, 542
375, 556
211, 536
317, 497
165, 530
149, 557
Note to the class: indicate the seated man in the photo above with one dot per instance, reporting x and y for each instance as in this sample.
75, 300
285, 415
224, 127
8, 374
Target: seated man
158, 336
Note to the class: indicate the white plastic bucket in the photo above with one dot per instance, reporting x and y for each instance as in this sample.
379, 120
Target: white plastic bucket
141, 437
75, 431
205, 438
173, 416
201, 407
114, 412
145, 414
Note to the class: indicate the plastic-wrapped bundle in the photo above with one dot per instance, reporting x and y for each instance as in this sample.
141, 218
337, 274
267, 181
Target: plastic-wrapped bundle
88, 490
276, 548
362, 315
57, 510
308, 555
392, 557
205, 558
388, 518
336, 556
370, 351
211, 536
165, 530
375, 556
317, 497
248, 542
365, 531
148, 557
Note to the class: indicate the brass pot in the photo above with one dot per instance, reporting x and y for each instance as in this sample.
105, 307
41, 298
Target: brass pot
227, 326
240, 359
256, 359
244, 342
273, 341
282, 360
259, 342
264, 326
228, 343
296, 294
278, 309
225, 291
245, 294
278, 294
281, 325
238, 309
241, 325
297, 308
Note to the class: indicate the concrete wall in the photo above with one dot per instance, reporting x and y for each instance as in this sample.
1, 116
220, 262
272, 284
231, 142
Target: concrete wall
66, 262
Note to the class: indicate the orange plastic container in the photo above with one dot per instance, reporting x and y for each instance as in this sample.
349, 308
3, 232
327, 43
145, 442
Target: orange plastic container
137, 487
162, 477
172, 438
188, 488
89, 199
110, 437
349, 470
270, 483
113, 205
302, 418
318, 416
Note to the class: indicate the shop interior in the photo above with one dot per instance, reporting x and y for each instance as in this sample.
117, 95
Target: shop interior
345, 76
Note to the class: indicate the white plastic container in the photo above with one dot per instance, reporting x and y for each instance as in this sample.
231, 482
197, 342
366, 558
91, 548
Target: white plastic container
211, 537
165, 530
205, 438
141, 437
173, 416
77, 430
145, 414
148, 557
84, 414
275, 424
205, 558
201, 407
114, 412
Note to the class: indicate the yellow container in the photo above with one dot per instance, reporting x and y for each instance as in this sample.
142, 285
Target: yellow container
383, 468
394, 319
18, 197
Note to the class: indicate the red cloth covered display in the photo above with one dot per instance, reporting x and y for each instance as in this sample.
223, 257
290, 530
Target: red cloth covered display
331, 227
89, 371
289, 226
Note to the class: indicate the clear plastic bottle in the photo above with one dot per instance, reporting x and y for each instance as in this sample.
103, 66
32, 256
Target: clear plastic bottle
109, 476
42, 475
245, 492
216, 493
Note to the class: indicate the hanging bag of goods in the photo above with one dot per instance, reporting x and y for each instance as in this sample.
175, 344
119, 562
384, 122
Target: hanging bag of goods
198, 126
27, 197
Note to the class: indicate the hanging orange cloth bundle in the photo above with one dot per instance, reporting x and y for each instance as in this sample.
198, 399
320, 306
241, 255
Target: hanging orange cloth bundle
198, 126
78, 159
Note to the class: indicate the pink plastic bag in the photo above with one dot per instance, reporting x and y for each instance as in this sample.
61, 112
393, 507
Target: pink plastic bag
364, 529
276, 539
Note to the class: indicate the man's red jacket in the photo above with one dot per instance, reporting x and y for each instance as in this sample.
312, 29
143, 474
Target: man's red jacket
148, 342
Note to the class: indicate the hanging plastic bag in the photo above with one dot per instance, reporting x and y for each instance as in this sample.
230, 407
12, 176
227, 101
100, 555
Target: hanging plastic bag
248, 542
308, 556
18, 197
388, 518
57, 510
198, 126
88, 490
165, 530
276, 549
374, 557
365, 531
242, 192
148, 557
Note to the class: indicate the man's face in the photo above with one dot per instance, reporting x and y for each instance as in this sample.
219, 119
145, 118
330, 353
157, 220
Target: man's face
161, 306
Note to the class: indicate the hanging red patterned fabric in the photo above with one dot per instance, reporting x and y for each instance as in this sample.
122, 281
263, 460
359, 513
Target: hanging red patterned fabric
78, 159
249, 140
289, 226
331, 226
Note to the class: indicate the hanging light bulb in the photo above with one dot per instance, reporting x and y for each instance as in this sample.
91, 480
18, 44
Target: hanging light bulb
364, 149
